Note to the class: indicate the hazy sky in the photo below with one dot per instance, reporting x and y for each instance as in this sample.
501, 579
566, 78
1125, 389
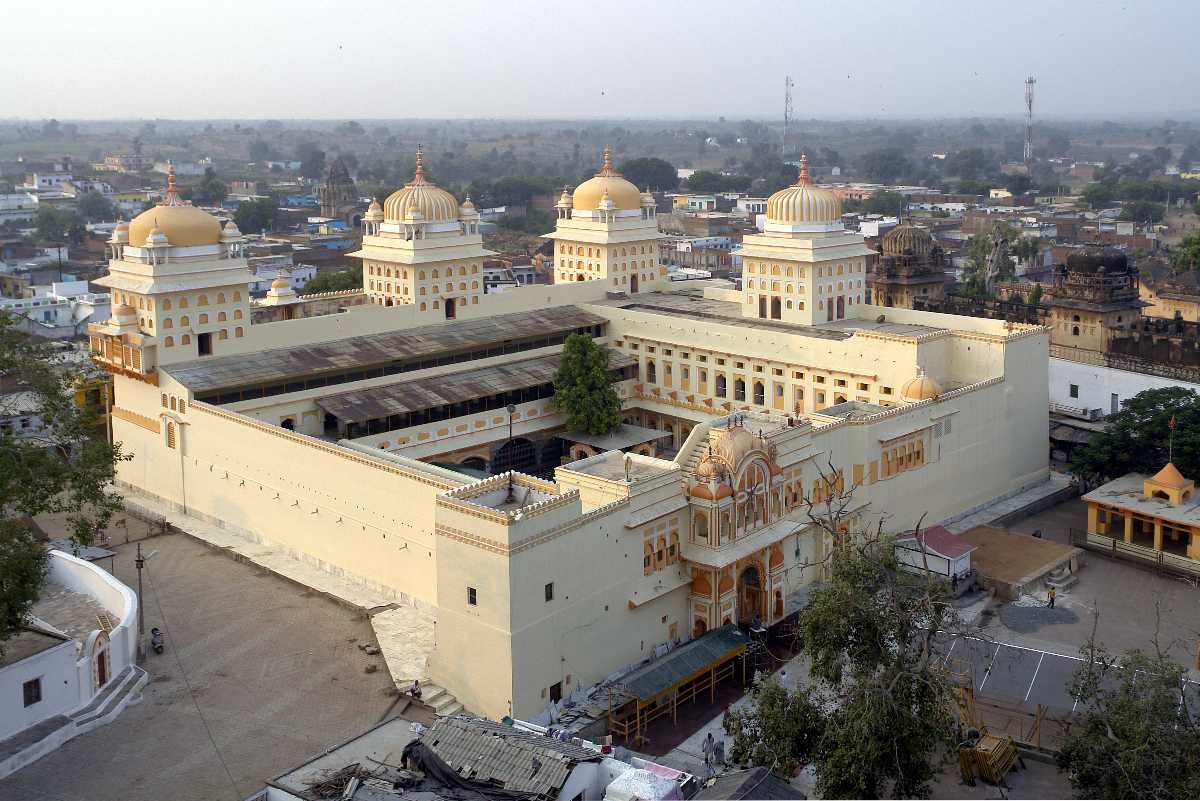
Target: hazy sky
608, 58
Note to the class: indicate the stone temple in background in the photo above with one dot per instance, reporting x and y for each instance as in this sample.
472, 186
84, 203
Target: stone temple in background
339, 196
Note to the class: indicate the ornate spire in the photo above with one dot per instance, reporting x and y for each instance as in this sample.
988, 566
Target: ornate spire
419, 174
606, 167
171, 198
802, 179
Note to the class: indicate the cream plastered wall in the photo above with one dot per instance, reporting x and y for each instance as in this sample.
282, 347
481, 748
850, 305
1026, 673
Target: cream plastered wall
368, 519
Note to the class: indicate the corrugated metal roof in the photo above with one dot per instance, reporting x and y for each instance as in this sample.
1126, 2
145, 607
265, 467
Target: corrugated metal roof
758, 783
435, 391
661, 674
485, 751
376, 350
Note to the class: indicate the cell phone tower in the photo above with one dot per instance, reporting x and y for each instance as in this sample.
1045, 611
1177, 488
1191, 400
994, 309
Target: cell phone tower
1029, 82
788, 83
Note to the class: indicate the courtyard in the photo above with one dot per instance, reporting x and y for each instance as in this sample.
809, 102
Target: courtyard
258, 675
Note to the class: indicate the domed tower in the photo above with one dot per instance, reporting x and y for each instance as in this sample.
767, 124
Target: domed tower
1095, 292
338, 195
423, 249
805, 267
607, 230
180, 284
911, 266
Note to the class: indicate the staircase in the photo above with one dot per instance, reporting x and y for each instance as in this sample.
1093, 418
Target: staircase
112, 699
1061, 579
443, 703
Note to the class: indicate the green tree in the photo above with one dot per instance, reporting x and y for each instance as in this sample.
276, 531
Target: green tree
340, 281
779, 728
968, 164
1142, 211
256, 215
1018, 184
57, 225
1035, 297
1025, 249
1097, 195
1135, 439
1136, 739
891, 203
583, 388
656, 174
884, 166
57, 465
210, 191
1186, 255
95, 207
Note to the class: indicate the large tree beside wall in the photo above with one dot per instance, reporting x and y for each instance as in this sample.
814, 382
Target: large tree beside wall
50, 462
1138, 438
583, 388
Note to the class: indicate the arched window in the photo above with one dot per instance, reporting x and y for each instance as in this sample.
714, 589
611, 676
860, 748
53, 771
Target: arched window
720, 386
647, 558
422, 305
172, 403
222, 317
203, 301
203, 319
164, 400
760, 396
169, 342
224, 334
168, 323
435, 274
170, 434
237, 332
651, 372
237, 314
673, 548
220, 297
700, 526
660, 554
183, 303
184, 321
739, 390
186, 339
166, 304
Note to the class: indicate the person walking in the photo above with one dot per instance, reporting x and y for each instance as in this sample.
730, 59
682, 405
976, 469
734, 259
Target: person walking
1050, 596
709, 746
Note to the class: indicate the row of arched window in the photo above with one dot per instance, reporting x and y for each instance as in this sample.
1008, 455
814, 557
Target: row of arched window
186, 339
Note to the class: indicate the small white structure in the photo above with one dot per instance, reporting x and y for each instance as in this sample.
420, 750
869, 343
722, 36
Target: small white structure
75, 663
943, 552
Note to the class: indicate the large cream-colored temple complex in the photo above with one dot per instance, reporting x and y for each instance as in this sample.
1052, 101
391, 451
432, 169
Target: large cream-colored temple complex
373, 441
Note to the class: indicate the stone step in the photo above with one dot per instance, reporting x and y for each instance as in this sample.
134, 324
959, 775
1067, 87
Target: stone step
452, 709
444, 702
431, 692
129, 684
1063, 583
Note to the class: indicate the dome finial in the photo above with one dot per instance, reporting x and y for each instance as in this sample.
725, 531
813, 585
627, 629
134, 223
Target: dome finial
171, 198
606, 166
802, 179
419, 174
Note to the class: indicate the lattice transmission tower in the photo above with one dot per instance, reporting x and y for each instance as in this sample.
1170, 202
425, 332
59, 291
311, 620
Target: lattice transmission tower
1029, 82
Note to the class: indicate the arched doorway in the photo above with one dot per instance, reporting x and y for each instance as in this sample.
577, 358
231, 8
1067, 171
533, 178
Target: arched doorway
841, 308
474, 463
699, 628
633, 283
750, 595
289, 424
776, 309
450, 306
762, 306
516, 455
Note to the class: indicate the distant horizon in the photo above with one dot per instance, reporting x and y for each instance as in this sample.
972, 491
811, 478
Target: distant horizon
275, 59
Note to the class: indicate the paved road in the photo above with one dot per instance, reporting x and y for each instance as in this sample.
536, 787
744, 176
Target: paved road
258, 675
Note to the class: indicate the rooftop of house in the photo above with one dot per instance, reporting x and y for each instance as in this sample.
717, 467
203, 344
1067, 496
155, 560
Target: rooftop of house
1127, 492
623, 436
381, 354
612, 466
29, 641
72, 613
507, 492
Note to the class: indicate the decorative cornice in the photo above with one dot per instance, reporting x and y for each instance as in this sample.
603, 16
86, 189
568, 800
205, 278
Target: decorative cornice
141, 421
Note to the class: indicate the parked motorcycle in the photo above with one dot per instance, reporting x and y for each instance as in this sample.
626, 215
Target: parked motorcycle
156, 641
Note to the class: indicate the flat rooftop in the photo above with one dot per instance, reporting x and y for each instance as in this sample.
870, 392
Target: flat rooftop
494, 492
436, 391
692, 304
848, 410
1126, 492
73, 613
376, 355
623, 436
29, 641
610, 466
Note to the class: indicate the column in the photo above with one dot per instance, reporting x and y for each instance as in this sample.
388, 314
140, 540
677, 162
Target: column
1128, 527
1093, 528
1158, 535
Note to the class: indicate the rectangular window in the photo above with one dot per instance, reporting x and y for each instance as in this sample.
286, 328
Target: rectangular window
862, 387
841, 382
472, 600
1074, 390
549, 592
885, 390
946, 426
204, 342
32, 690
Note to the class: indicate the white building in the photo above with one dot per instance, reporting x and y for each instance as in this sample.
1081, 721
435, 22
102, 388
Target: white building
60, 310
18, 206
64, 664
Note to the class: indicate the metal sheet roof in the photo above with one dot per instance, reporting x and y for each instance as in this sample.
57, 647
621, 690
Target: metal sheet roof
662, 674
427, 393
485, 751
281, 364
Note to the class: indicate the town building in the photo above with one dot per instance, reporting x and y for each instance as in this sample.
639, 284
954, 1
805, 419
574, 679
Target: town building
125, 162
72, 667
911, 265
1153, 517
60, 310
356, 439
18, 206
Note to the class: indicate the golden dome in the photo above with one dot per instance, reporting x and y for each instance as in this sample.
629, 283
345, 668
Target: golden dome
418, 196
804, 203
907, 239
374, 212
623, 194
281, 283
183, 225
920, 388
